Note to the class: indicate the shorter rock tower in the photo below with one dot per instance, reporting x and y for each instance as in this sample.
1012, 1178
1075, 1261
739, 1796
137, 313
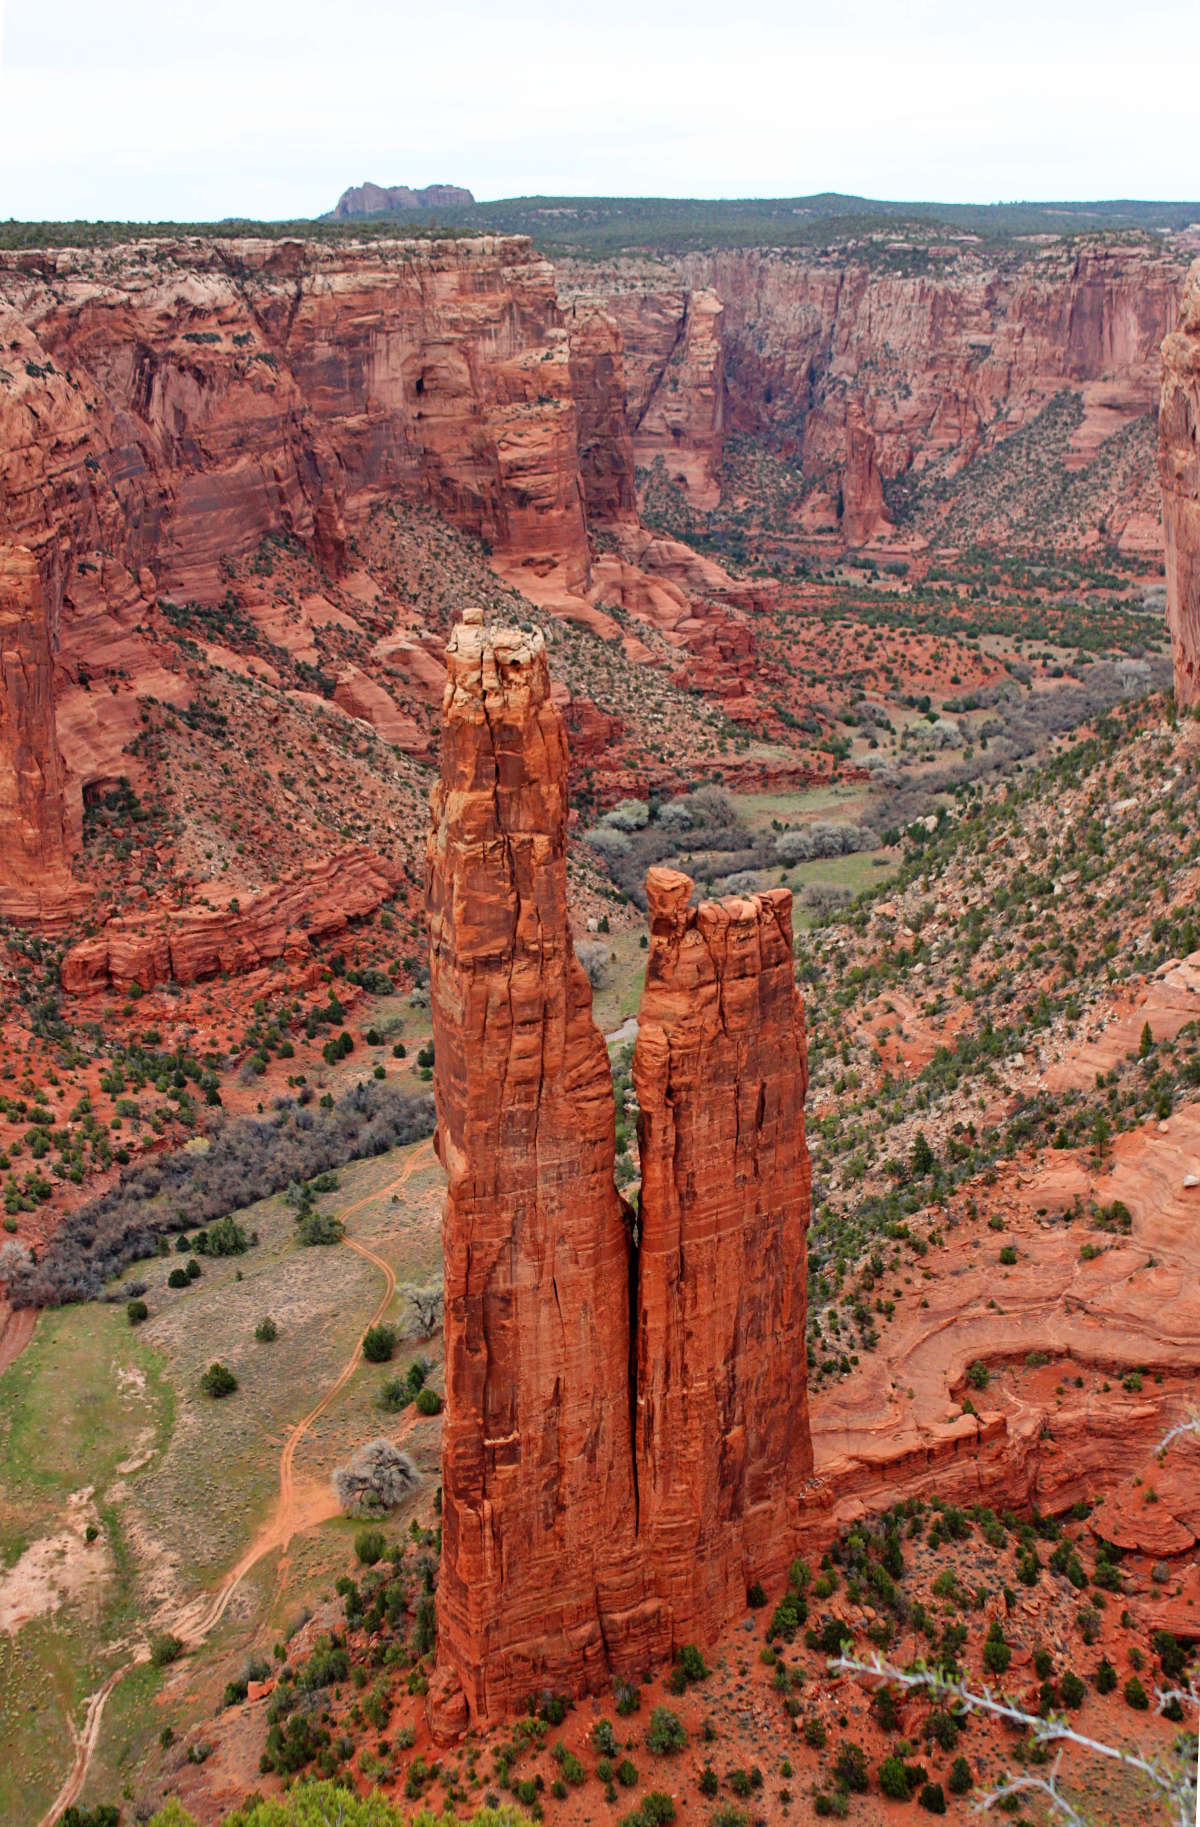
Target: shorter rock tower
626, 1435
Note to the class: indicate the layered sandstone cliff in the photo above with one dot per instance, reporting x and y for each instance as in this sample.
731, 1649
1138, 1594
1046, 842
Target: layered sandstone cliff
540, 1581
1179, 474
219, 931
608, 1492
918, 361
36, 838
175, 402
167, 406
720, 1071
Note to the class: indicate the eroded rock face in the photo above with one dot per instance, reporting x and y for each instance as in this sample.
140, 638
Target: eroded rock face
221, 933
541, 1583
35, 834
165, 407
720, 1070
1179, 473
937, 365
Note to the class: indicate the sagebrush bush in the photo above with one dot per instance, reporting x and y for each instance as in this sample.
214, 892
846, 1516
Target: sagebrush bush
246, 1160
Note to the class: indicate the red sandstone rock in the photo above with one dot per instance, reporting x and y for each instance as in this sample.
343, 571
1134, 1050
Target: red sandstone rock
937, 366
35, 834
363, 698
720, 1070
863, 516
540, 1582
1179, 474
598, 388
186, 944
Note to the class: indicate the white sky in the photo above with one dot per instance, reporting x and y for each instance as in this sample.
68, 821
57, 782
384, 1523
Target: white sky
166, 108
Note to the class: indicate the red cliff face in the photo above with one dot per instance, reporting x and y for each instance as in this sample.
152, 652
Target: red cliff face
938, 364
166, 406
540, 1584
561, 1563
1179, 473
720, 1070
192, 397
35, 834
598, 388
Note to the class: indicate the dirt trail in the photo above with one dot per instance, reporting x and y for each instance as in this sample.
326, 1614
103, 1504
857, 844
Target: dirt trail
294, 1511
16, 1330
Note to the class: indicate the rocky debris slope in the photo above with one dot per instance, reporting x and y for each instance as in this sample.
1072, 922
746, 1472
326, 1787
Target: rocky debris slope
606, 1497
720, 1073
540, 1582
1179, 473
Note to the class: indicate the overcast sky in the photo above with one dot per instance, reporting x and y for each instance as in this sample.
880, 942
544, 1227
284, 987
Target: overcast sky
169, 109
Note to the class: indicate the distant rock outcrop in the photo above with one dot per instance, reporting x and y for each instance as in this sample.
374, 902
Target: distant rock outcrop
1179, 473
396, 199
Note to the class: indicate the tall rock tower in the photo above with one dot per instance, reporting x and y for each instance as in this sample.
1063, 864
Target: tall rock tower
541, 1584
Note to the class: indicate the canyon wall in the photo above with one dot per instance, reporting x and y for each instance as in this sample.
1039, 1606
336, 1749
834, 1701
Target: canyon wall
720, 1071
937, 355
35, 835
541, 1584
1179, 474
166, 406
626, 1434
175, 402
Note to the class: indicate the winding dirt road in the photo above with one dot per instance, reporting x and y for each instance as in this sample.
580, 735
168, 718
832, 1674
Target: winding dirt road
16, 1330
293, 1512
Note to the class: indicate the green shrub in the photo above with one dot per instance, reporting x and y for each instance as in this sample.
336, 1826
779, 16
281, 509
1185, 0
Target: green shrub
165, 1649
178, 1278
996, 1653
850, 1768
894, 1779
1008, 1255
691, 1663
815, 1735
266, 1331
604, 1739
136, 1311
370, 1545
428, 1401
1106, 1677
933, 1798
319, 1228
626, 1773
1072, 1688
979, 1376
666, 1733
1136, 1695
378, 1344
960, 1779
218, 1381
